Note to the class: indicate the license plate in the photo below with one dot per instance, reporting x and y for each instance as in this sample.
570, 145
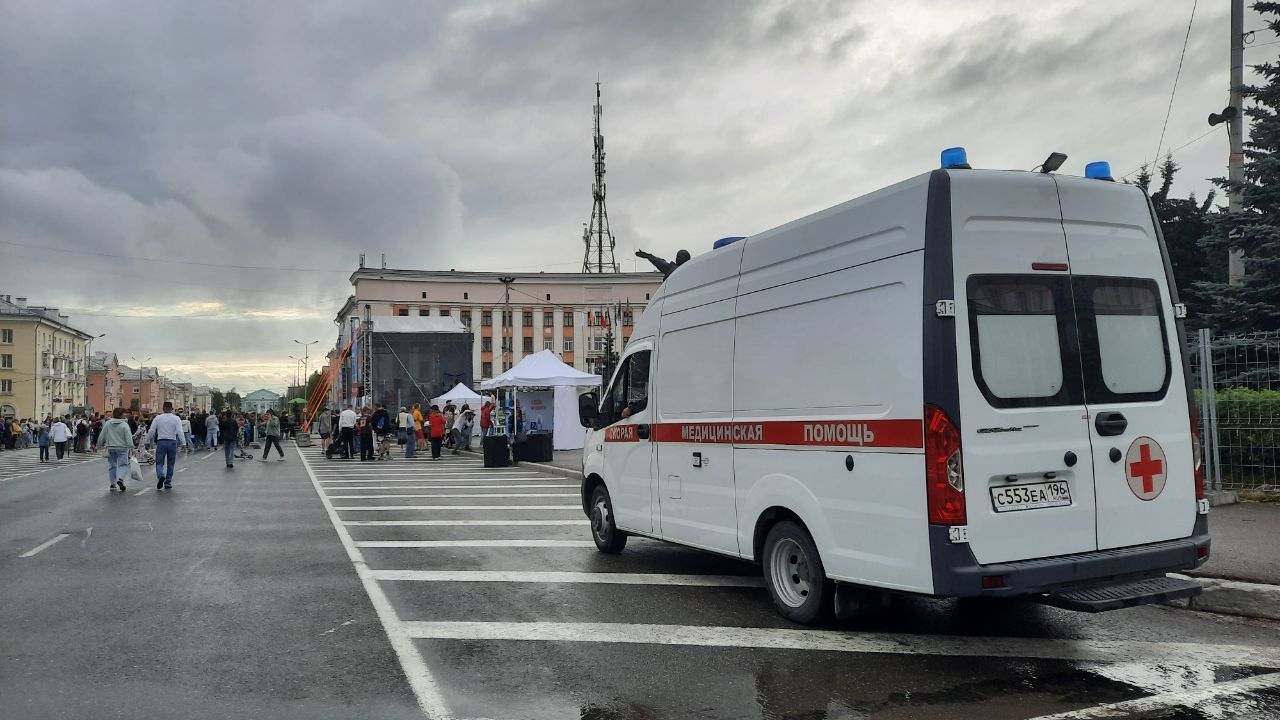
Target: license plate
1030, 497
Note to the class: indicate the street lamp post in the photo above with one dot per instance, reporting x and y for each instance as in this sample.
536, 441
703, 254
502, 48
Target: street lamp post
306, 358
140, 364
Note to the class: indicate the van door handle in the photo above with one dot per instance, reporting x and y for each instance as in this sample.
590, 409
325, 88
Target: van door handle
642, 431
1110, 423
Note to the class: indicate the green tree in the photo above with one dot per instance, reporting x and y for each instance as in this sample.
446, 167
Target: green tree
216, 399
1254, 304
232, 399
1183, 222
312, 383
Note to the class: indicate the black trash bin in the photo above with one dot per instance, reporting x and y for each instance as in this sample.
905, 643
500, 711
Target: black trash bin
496, 451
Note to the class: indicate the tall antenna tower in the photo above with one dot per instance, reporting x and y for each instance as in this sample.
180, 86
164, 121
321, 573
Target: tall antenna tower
596, 236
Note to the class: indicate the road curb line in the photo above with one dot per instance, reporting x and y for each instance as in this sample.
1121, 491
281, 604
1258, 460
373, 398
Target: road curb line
1232, 597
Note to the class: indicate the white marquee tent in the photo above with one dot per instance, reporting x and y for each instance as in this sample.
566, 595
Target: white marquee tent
541, 370
460, 395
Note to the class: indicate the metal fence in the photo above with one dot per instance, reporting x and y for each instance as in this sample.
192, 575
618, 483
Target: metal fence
1237, 386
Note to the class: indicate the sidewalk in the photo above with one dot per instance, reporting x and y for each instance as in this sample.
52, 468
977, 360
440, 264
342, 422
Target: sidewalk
1242, 576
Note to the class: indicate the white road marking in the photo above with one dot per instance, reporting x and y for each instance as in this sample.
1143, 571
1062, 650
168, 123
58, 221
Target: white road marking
142, 491
472, 543
415, 668
419, 479
88, 532
455, 495
1098, 651
1170, 700
391, 508
459, 523
45, 545
602, 578
182, 469
330, 488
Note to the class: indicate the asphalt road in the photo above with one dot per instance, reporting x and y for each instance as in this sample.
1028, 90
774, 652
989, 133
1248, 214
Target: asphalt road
324, 589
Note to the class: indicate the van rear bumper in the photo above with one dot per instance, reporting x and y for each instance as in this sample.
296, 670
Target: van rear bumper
957, 574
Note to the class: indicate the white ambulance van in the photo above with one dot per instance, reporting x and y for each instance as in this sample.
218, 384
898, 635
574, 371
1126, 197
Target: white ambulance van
968, 384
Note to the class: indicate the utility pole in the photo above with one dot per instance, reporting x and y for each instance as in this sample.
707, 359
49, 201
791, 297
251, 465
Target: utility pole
508, 337
1235, 132
366, 352
596, 236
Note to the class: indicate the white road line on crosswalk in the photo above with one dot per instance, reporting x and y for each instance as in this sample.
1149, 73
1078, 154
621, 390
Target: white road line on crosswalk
539, 486
1099, 651
421, 681
471, 543
600, 578
459, 523
143, 491
357, 479
1170, 700
45, 545
389, 508
454, 495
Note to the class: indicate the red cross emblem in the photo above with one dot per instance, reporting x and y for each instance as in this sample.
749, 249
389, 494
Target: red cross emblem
1145, 468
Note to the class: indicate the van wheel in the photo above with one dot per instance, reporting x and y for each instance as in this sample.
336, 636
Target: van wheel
794, 574
609, 539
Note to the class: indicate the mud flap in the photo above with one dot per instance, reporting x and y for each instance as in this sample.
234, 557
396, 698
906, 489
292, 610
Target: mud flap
1120, 595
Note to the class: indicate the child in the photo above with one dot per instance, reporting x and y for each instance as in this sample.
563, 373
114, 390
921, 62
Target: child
42, 439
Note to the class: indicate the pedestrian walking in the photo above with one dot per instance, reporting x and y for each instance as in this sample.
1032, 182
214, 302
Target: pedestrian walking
42, 440
82, 434
118, 441
273, 433
60, 434
418, 426
408, 433
325, 425
486, 418
435, 421
228, 429
165, 433
462, 430
186, 430
346, 433
211, 431
450, 415
382, 428
364, 434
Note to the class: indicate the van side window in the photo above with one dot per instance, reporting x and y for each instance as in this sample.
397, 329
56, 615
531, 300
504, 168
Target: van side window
1017, 327
630, 389
1123, 339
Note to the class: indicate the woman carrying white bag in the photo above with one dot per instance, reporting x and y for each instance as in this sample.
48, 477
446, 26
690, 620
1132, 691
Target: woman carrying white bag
118, 441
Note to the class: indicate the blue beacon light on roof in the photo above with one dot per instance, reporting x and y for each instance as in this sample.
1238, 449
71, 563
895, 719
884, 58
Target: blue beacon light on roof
1100, 170
727, 241
955, 159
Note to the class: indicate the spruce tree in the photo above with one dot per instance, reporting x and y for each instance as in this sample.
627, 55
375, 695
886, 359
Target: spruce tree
1254, 304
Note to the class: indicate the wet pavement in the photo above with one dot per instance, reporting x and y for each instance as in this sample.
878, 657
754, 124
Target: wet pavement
341, 589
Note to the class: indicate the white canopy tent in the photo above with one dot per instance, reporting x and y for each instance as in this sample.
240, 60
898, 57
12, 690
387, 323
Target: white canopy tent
460, 395
541, 370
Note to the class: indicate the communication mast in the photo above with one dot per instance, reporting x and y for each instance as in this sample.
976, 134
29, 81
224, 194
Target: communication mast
596, 236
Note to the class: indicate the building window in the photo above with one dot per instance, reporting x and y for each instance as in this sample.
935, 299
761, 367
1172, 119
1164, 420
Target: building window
6, 361
6, 387
548, 319
486, 344
506, 344
403, 312
424, 294
486, 369
548, 297
568, 344
465, 316
466, 296
568, 318
548, 344
444, 311
626, 317
526, 318
506, 318
527, 345
486, 318
6, 337
136, 390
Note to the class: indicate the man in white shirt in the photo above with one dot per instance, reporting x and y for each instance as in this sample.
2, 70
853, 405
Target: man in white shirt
346, 432
166, 432
462, 430
60, 434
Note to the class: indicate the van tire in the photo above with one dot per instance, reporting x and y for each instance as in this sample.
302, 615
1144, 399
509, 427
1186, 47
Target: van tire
794, 576
609, 539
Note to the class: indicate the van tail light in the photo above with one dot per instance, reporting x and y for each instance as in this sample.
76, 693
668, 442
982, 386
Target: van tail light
944, 471
1197, 453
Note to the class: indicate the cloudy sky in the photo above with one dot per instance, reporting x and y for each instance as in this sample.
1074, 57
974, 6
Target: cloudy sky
197, 179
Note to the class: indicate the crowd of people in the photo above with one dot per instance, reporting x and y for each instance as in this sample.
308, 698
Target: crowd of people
371, 431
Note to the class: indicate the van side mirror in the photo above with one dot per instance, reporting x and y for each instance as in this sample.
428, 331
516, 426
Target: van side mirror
587, 412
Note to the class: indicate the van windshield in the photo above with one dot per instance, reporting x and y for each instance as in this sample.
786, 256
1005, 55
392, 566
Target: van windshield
1024, 329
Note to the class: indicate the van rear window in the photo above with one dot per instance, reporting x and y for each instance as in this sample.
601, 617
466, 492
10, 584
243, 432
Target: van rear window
1016, 331
1123, 339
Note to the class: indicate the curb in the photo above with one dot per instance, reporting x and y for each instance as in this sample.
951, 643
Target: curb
1232, 597
1222, 497
569, 473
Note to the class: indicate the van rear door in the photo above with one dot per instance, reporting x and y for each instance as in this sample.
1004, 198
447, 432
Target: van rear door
1028, 474
1132, 371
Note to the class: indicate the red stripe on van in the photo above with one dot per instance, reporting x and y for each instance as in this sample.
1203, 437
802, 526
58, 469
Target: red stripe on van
827, 433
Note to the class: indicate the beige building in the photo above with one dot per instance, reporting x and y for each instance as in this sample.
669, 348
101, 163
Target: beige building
43, 361
561, 312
